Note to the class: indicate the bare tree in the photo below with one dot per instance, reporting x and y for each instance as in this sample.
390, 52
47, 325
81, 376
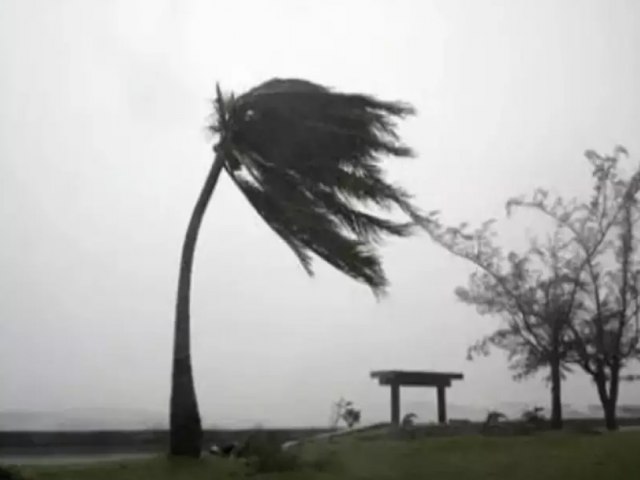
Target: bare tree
605, 331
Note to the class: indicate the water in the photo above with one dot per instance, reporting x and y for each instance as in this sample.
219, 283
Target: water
71, 459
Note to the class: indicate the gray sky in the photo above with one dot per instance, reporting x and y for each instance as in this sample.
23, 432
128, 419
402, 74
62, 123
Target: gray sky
103, 150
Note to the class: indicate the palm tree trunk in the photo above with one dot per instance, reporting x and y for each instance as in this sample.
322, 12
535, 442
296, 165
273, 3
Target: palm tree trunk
186, 429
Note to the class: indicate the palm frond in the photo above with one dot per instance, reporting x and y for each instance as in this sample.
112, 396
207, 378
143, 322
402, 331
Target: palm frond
308, 160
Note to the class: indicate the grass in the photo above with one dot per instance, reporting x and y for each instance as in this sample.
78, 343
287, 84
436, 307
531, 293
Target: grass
152, 469
544, 456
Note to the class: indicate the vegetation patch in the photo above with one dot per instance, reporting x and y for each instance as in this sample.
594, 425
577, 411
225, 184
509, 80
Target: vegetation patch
548, 455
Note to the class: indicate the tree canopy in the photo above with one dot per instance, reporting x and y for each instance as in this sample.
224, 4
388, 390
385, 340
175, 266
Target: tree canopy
571, 300
603, 234
308, 160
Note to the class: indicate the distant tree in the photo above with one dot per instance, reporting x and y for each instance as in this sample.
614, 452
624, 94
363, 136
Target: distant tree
532, 293
604, 239
306, 158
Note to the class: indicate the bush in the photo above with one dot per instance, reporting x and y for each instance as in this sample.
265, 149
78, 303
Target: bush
534, 417
264, 454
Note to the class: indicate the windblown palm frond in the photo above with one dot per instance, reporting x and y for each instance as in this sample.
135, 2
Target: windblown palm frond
308, 161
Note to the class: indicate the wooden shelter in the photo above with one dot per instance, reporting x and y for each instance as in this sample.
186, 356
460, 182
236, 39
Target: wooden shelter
402, 378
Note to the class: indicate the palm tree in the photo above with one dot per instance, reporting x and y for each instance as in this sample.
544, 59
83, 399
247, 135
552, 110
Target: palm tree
304, 157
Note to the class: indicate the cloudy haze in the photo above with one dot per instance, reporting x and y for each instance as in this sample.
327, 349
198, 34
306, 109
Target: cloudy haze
103, 149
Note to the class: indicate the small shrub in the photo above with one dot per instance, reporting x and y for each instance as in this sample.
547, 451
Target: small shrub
351, 416
343, 410
534, 418
264, 454
494, 423
408, 421
494, 417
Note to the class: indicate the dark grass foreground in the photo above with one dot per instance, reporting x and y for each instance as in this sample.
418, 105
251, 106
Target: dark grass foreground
544, 456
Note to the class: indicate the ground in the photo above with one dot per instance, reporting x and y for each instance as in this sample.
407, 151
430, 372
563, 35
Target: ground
543, 456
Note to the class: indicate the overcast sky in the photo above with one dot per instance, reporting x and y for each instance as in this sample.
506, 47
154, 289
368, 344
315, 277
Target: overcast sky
103, 149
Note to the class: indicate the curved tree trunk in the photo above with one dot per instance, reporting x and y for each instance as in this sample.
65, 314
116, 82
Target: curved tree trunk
186, 429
